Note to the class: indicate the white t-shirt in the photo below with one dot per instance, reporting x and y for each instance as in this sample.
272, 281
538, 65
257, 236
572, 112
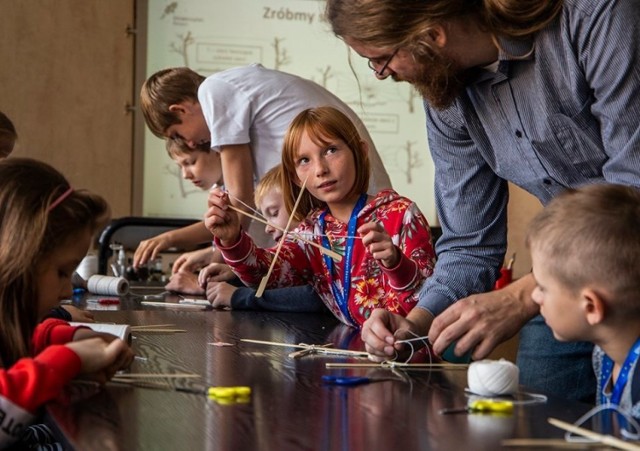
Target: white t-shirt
255, 105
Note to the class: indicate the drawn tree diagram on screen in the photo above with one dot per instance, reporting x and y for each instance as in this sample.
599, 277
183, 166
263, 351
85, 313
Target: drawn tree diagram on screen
412, 160
411, 97
282, 56
185, 40
405, 160
325, 75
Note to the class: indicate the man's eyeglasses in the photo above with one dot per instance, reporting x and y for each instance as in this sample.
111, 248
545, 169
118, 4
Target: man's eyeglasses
380, 72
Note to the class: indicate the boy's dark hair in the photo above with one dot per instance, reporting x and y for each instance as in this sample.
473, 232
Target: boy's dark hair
176, 147
165, 88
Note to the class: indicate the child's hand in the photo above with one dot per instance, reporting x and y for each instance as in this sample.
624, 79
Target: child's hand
221, 221
215, 272
184, 282
100, 360
219, 294
193, 261
378, 242
79, 316
84, 333
149, 249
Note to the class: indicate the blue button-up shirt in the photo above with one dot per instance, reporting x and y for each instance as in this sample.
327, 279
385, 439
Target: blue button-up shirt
561, 110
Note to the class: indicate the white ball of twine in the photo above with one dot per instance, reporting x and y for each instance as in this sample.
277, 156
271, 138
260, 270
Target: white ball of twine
493, 377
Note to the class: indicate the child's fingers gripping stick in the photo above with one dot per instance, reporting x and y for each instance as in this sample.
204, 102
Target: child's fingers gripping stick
222, 222
379, 244
96, 354
219, 197
124, 355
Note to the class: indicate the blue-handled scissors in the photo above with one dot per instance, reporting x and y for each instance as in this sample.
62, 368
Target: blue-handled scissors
351, 380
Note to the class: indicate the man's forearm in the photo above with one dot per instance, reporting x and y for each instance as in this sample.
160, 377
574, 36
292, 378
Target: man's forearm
190, 236
421, 319
522, 290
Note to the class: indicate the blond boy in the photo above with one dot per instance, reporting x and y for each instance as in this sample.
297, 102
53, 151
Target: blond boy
211, 280
585, 249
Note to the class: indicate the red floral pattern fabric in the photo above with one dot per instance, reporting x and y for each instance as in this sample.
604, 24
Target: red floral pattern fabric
372, 285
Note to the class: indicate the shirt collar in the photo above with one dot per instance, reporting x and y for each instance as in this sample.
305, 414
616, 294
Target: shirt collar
510, 50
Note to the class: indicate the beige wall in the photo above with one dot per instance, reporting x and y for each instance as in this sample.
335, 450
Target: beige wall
66, 75
522, 207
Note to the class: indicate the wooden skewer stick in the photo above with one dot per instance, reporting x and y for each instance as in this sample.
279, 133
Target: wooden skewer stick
142, 383
274, 343
176, 305
608, 440
333, 254
442, 366
554, 443
151, 326
158, 331
310, 350
317, 348
265, 279
156, 376
337, 257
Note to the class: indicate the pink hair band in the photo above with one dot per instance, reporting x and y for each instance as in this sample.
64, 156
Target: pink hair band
59, 200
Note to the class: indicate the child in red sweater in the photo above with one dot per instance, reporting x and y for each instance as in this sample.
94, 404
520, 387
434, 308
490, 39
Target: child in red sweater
45, 230
384, 239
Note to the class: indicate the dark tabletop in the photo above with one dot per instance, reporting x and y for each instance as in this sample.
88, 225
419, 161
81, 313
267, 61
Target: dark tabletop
290, 408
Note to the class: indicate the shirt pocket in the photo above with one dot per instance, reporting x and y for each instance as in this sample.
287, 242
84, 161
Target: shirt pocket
577, 141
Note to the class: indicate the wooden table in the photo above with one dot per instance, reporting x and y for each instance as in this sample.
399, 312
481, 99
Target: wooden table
290, 408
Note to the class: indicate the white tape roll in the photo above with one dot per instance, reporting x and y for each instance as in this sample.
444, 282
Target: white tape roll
122, 331
493, 377
88, 266
111, 286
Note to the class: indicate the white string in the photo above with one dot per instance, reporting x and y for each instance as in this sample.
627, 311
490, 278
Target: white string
424, 339
569, 437
532, 398
257, 212
290, 232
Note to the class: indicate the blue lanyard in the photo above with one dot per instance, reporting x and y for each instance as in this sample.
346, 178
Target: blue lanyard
623, 377
343, 298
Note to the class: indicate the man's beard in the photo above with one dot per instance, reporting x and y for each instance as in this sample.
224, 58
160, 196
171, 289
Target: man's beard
440, 80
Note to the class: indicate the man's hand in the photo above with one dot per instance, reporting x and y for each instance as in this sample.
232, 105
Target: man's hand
483, 321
